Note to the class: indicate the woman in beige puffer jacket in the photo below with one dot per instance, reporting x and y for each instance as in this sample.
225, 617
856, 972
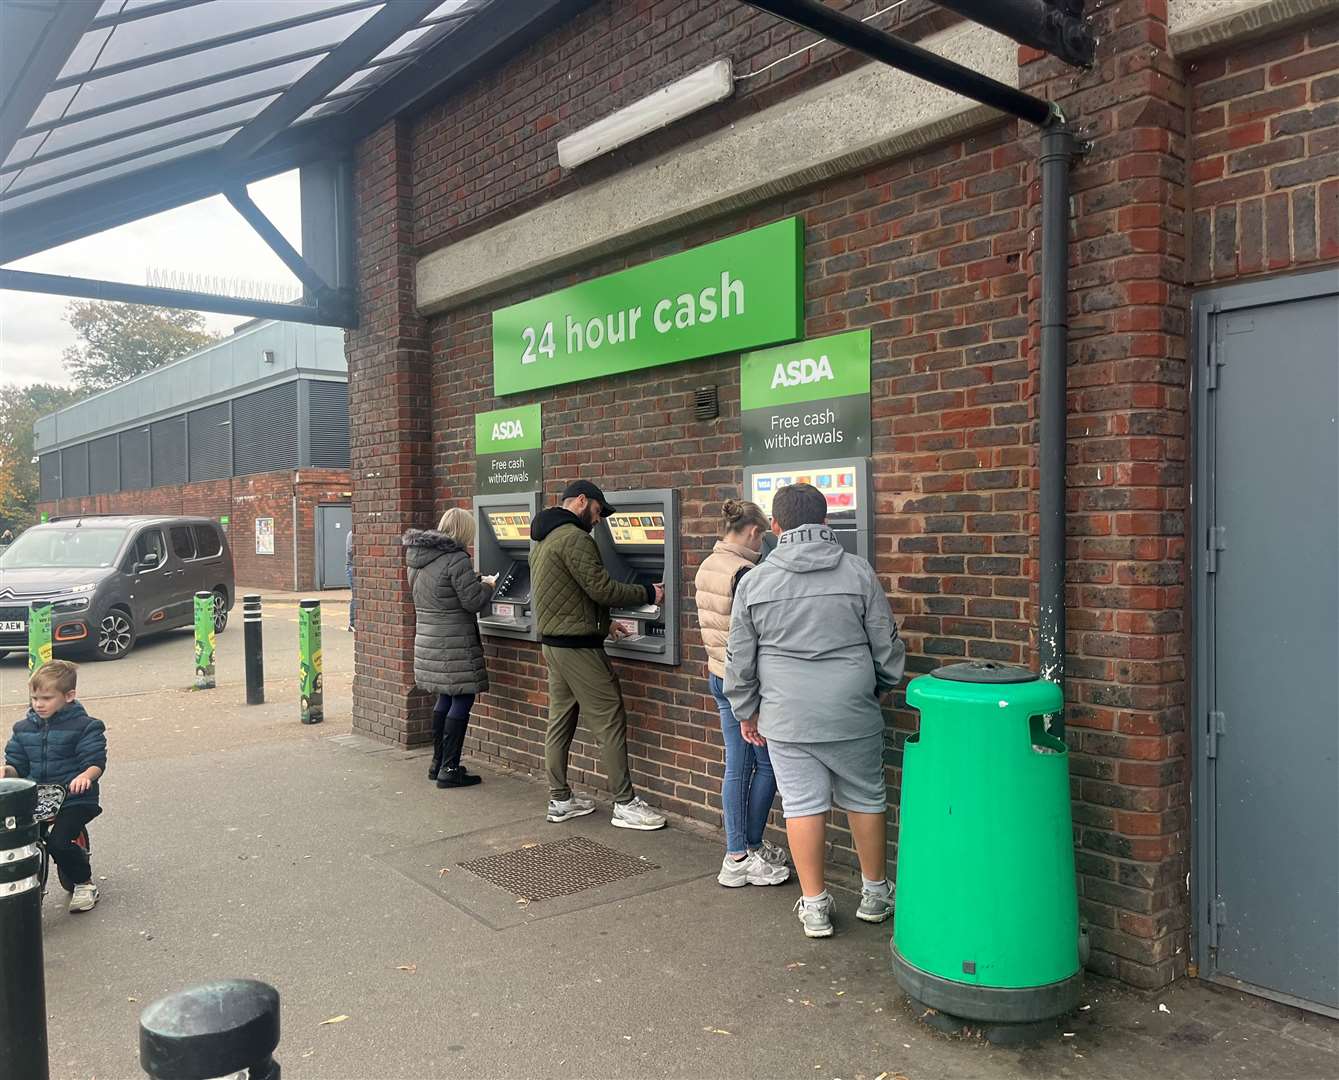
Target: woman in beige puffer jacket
749, 787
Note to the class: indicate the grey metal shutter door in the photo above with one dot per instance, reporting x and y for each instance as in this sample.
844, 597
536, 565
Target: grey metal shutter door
265, 430
135, 459
48, 477
74, 471
167, 446
328, 421
211, 442
104, 472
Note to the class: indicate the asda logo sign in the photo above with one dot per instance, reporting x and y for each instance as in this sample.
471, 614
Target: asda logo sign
829, 367
802, 372
506, 430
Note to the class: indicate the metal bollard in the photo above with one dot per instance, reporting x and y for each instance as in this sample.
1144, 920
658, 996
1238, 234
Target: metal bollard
39, 636
255, 649
204, 641
309, 661
228, 1029
23, 1037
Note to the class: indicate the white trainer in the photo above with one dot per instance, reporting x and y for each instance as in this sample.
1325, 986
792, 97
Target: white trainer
753, 869
566, 809
769, 852
84, 897
815, 918
637, 815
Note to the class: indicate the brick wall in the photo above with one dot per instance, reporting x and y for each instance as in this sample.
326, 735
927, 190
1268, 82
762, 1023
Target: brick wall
1265, 142
241, 499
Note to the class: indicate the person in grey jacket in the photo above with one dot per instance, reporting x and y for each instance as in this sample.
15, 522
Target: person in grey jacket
448, 655
812, 649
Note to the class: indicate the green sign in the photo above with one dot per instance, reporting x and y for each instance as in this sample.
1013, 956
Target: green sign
204, 641
808, 401
507, 450
736, 293
310, 691
223, 519
45, 517
39, 636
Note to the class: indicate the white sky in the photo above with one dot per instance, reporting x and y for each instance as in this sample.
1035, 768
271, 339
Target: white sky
207, 237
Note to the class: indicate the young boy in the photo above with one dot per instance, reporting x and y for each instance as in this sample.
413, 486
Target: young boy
59, 743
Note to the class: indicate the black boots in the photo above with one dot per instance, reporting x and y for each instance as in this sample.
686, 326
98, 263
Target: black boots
438, 725
457, 777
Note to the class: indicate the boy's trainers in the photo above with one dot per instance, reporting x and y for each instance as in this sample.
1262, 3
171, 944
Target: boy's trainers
875, 906
815, 918
770, 853
637, 815
566, 809
84, 897
753, 869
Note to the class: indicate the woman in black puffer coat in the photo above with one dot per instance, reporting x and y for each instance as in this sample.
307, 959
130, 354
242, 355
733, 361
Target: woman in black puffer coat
448, 655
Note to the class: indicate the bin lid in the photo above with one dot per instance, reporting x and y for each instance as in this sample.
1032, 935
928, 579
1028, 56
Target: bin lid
984, 671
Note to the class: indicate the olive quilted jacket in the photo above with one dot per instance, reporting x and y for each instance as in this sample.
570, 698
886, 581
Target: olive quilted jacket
573, 592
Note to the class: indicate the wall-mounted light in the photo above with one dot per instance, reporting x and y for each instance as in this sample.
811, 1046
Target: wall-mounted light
268, 356
681, 98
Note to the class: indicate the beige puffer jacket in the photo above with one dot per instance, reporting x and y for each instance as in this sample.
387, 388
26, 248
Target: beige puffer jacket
715, 596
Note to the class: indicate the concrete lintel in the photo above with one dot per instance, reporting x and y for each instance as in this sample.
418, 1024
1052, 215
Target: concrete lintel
1202, 26
871, 115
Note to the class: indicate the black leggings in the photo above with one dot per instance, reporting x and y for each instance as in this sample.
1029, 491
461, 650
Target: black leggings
65, 853
450, 718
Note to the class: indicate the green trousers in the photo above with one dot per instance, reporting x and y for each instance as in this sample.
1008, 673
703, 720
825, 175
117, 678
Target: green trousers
583, 686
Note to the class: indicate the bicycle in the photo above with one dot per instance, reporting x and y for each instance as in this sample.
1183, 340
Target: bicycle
50, 798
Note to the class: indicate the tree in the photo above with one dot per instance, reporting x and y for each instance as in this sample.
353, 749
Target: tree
121, 341
20, 406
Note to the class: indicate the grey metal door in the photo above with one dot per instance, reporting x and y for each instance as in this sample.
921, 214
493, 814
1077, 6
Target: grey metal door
1268, 638
332, 527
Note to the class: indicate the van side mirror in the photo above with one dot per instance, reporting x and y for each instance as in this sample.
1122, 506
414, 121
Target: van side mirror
148, 562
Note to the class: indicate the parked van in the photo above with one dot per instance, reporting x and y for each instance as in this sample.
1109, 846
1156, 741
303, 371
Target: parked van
111, 580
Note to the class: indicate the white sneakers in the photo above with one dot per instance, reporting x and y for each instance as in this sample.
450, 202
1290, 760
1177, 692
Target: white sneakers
566, 809
84, 897
637, 815
753, 869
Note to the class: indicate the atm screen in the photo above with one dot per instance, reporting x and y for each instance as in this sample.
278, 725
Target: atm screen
836, 482
646, 529
510, 526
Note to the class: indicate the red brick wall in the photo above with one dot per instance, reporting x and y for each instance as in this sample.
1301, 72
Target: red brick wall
241, 499
1265, 140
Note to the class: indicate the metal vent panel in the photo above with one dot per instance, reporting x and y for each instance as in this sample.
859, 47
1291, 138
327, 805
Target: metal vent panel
104, 471
74, 471
328, 424
167, 445
48, 477
210, 434
135, 459
265, 430
561, 868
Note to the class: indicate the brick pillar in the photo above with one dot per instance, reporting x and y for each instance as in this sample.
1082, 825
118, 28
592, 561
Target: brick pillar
391, 439
1126, 645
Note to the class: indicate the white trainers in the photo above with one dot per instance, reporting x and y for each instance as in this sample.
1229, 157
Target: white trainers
566, 809
637, 815
753, 869
84, 897
815, 918
770, 853
875, 906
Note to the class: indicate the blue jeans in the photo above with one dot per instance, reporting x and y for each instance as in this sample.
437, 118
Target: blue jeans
749, 786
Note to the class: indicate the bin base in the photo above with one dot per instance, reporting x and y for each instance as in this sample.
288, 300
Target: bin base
979, 1006
995, 1034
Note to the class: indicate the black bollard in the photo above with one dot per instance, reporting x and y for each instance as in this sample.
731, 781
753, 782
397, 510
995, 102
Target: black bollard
255, 650
23, 1038
224, 1028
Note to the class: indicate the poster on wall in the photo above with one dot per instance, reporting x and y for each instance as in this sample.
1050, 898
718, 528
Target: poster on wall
264, 536
806, 401
508, 453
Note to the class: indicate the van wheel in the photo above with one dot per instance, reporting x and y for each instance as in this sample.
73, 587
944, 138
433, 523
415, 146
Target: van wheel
220, 611
116, 635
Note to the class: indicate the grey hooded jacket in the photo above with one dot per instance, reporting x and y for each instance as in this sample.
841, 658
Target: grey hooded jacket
812, 643
448, 596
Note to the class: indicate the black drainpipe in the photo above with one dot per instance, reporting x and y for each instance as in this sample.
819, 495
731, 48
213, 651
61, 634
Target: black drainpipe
1058, 148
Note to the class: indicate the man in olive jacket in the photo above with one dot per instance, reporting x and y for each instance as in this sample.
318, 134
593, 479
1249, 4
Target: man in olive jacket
572, 595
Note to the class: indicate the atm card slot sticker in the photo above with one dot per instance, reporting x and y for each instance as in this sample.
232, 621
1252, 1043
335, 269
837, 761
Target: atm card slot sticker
504, 611
763, 483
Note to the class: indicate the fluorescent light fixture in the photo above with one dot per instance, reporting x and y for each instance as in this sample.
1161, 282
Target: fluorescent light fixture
681, 98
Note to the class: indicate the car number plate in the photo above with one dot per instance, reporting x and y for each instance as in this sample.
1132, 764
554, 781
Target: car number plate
13, 626
504, 611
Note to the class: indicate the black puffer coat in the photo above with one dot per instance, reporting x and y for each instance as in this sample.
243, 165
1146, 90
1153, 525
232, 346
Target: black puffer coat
448, 596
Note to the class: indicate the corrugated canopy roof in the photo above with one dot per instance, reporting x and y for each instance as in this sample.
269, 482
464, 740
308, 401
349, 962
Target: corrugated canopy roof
113, 109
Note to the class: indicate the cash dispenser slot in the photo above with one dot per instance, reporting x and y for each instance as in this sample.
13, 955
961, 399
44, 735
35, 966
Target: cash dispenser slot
639, 544
845, 482
502, 547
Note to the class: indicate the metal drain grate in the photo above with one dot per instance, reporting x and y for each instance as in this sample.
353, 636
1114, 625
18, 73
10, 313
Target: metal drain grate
561, 868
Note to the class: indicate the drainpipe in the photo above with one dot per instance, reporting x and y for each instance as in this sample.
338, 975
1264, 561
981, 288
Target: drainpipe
296, 586
1058, 148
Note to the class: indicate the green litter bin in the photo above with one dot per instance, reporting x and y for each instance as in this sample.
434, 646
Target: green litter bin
987, 923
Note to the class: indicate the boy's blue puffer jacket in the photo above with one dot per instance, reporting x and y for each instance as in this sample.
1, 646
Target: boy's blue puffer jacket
55, 751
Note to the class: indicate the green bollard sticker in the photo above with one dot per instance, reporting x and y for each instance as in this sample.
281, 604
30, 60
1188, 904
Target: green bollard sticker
39, 636
309, 661
204, 641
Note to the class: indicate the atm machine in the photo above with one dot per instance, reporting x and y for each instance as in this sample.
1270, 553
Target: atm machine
502, 547
640, 543
845, 482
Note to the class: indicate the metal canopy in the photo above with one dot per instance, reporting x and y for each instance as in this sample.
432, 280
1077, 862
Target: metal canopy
111, 110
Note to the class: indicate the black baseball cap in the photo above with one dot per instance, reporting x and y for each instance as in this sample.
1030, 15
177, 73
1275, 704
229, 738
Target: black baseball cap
586, 488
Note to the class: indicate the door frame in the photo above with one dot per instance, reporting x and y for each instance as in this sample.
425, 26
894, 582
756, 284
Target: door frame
1205, 306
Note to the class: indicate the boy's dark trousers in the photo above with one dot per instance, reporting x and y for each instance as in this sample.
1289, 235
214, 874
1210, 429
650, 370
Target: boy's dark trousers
65, 853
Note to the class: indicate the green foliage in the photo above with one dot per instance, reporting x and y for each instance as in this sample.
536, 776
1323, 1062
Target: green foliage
20, 406
120, 341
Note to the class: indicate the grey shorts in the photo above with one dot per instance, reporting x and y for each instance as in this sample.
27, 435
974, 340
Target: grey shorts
813, 776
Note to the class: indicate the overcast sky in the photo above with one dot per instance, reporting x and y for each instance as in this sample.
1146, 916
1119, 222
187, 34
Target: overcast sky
205, 238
